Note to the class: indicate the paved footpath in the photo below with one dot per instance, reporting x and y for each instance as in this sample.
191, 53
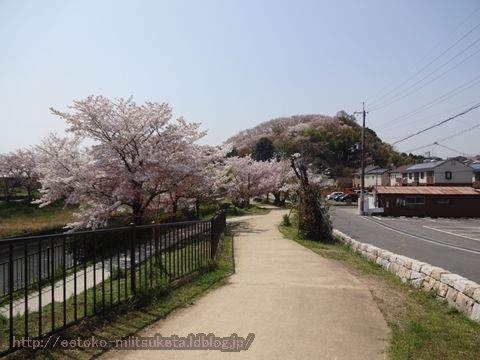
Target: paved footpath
298, 304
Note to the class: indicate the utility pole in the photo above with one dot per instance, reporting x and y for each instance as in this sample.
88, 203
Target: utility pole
362, 193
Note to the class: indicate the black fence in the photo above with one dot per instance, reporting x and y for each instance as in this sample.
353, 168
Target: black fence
50, 282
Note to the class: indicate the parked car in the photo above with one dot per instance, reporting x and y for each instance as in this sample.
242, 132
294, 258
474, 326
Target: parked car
352, 197
358, 192
337, 197
333, 194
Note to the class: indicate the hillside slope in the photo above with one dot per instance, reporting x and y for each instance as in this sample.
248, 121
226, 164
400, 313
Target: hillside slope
331, 144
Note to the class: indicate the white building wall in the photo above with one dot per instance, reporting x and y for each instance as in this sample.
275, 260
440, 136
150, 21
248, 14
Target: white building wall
380, 180
394, 177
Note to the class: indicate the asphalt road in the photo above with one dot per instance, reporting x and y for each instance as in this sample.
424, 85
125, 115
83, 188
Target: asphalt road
453, 244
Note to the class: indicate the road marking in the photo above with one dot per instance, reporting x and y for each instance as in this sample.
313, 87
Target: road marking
454, 230
436, 242
466, 232
473, 229
457, 227
451, 233
470, 234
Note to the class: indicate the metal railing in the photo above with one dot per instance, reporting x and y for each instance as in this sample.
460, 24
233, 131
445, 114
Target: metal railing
50, 282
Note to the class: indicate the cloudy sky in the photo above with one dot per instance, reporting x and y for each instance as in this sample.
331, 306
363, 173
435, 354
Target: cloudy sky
233, 64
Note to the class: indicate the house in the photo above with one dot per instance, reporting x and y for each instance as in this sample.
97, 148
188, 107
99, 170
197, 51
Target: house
431, 201
357, 177
373, 178
476, 175
377, 177
439, 173
398, 176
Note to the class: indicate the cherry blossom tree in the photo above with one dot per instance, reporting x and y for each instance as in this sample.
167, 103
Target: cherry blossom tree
245, 178
17, 170
8, 176
195, 181
27, 160
138, 152
280, 176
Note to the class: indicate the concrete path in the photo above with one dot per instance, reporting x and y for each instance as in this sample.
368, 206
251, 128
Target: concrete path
33, 298
298, 304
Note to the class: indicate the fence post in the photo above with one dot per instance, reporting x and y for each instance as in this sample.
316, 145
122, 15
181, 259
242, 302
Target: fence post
133, 274
10, 293
212, 238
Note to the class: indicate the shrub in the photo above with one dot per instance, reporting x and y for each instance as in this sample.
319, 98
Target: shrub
286, 220
224, 205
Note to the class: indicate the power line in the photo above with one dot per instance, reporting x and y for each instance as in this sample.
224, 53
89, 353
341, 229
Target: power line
438, 124
379, 100
404, 93
459, 89
449, 148
445, 138
459, 133
430, 117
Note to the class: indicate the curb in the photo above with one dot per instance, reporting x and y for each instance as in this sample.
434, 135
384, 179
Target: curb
460, 293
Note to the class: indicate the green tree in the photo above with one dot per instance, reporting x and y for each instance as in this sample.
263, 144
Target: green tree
232, 153
263, 150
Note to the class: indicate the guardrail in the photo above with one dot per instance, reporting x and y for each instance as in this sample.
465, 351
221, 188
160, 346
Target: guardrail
50, 282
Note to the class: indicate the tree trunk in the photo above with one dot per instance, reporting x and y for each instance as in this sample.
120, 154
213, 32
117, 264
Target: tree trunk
197, 208
174, 210
277, 198
138, 213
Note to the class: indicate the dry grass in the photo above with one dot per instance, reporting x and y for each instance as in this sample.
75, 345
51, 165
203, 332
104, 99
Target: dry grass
20, 218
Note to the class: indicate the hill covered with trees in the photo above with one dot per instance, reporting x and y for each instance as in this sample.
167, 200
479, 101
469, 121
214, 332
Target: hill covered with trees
331, 144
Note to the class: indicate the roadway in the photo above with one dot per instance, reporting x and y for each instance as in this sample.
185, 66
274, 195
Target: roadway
453, 244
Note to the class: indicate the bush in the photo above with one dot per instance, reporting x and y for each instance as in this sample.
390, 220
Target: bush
313, 217
286, 220
224, 205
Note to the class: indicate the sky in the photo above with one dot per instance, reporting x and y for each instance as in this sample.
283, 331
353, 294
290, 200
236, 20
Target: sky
234, 64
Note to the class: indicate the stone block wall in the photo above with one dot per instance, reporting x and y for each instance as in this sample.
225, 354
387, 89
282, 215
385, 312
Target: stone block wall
458, 291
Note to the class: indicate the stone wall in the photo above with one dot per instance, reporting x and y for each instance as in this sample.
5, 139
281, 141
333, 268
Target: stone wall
458, 291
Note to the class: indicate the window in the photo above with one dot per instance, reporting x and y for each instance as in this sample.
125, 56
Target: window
410, 176
422, 175
443, 201
418, 200
448, 175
